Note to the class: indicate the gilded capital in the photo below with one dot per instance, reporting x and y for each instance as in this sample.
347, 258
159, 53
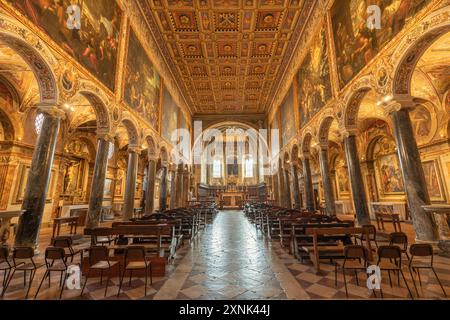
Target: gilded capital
51, 110
105, 134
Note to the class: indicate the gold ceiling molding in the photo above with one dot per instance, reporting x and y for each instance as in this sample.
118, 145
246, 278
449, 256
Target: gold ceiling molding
227, 56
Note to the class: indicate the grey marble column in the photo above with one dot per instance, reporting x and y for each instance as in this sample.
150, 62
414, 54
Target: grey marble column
163, 190
413, 175
38, 179
186, 185
98, 181
356, 181
275, 189
296, 187
287, 188
326, 182
281, 191
173, 188
130, 188
309, 192
179, 187
150, 196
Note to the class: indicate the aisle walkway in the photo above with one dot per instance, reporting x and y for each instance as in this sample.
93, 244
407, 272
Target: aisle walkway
230, 260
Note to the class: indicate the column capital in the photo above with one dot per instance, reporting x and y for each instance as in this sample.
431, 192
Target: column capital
323, 146
304, 156
134, 149
51, 110
105, 134
348, 132
396, 103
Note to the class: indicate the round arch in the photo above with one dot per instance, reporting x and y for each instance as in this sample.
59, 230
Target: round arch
132, 129
35, 54
411, 49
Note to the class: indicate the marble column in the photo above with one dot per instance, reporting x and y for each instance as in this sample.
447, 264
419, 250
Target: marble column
356, 180
173, 188
150, 196
186, 187
39, 178
287, 188
179, 187
130, 187
275, 189
309, 192
413, 174
98, 180
163, 191
281, 191
326, 181
296, 187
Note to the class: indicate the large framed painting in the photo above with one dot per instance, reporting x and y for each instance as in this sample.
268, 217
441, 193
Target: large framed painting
314, 84
355, 44
433, 180
142, 90
169, 117
288, 118
94, 45
343, 181
390, 175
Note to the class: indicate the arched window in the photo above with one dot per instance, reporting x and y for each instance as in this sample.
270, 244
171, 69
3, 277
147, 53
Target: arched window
248, 169
217, 169
38, 122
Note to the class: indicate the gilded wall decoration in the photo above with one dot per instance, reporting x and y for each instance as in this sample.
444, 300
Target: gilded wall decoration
356, 45
169, 121
422, 123
288, 118
142, 86
314, 84
94, 45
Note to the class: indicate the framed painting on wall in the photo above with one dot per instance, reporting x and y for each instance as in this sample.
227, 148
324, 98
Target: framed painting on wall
390, 175
343, 181
433, 180
107, 193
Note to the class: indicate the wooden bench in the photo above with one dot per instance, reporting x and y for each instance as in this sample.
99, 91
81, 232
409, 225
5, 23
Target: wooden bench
326, 243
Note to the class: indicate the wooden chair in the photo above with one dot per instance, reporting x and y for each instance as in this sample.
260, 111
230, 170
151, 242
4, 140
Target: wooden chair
23, 261
355, 259
372, 234
6, 266
400, 239
66, 243
55, 261
135, 260
422, 250
99, 261
390, 259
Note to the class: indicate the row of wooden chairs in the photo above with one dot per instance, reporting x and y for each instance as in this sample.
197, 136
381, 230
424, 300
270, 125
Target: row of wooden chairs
313, 236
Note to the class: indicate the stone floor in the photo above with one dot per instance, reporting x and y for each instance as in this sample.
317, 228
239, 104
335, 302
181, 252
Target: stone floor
230, 259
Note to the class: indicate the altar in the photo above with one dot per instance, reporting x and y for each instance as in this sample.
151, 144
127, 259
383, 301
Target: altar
232, 199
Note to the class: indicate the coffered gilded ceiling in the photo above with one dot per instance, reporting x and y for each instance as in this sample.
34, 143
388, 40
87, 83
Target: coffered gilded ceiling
227, 54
